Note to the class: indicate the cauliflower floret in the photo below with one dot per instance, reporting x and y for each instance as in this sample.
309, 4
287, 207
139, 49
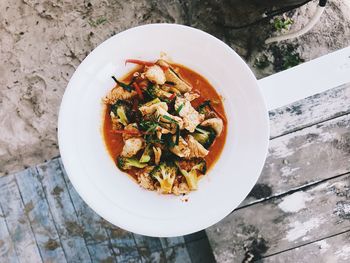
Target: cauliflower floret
146, 110
132, 146
118, 93
144, 179
182, 149
197, 149
215, 123
182, 188
155, 74
191, 117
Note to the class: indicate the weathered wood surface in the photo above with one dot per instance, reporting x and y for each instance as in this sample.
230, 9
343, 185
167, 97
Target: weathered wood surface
334, 249
315, 109
43, 219
283, 223
302, 196
304, 157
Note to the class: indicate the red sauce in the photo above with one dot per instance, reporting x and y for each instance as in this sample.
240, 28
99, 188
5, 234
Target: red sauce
114, 142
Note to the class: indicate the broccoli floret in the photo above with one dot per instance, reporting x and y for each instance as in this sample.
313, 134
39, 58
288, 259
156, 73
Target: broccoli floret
205, 136
155, 92
165, 174
146, 156
128, 163
192, 175
122, 109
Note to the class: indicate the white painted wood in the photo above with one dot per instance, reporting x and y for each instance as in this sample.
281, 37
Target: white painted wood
38, 212
17, 221
303, 157
306, 112
334, 249
307, 79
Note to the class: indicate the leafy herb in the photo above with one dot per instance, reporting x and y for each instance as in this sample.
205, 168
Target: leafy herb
177, 134
123, 85
170, 119
283, 23
180, 108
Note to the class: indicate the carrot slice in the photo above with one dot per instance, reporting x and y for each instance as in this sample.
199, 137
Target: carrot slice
138, 90
140, 62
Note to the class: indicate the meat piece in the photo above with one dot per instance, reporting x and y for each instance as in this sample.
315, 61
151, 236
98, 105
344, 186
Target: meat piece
190, 96
118, 93
215, 123
130, 127
190, 116
160, 131
146, 110
144, 179
132, 146
157, 154
155, 74
182, 149
160, 113
172, 76
197, 149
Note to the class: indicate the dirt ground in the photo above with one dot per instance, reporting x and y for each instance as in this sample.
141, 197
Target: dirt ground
42, 42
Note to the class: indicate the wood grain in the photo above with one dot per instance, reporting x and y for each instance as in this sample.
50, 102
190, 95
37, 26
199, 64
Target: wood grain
17, 221
7, 249
335, 249
304, 157
283, 223
64, 215
315, 109
38, 212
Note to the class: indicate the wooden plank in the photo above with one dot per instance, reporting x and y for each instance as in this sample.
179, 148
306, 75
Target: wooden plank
177, 254
283, 223
38, 212
64, 215
150, 248
123, 243
17, 221
315, 109
168, 242
95, 234
333, 249
7, 249
304, 157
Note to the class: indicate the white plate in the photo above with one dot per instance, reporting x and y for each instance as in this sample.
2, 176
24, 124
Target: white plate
112, 194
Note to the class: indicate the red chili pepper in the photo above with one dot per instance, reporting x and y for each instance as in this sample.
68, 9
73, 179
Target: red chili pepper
164, 68
217, 113
140, 62
138, 90
126, 132
172, 96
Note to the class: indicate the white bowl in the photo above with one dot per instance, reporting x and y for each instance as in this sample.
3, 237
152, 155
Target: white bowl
111, 193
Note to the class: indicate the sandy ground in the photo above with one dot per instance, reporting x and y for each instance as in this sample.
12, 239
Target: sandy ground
42, 42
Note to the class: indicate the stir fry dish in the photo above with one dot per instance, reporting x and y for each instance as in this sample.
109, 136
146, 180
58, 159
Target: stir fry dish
164, 125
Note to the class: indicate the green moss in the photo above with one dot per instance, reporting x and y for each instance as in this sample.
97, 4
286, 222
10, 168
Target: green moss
283, 23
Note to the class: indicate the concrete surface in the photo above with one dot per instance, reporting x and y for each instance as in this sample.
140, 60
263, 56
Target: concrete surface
42, 42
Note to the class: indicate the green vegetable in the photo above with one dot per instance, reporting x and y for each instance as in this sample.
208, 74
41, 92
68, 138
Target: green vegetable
192, 176
125, 163
204, 135
127, 87
165, 174
146, 156
204, 108
122, 109
154, 91
180, 108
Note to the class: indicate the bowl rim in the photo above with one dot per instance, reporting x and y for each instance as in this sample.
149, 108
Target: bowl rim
67, 163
